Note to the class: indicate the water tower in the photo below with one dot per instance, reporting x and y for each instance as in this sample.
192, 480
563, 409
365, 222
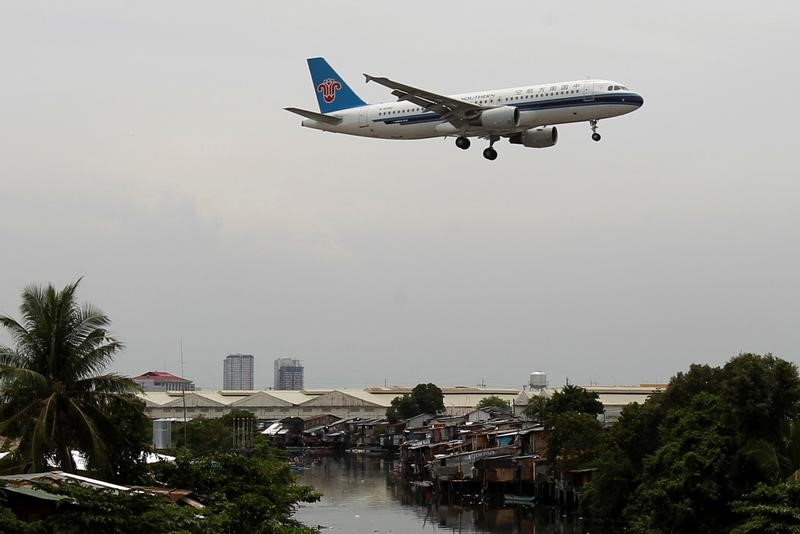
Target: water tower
538, 381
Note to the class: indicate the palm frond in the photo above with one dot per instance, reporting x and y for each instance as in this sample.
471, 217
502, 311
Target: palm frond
94, 441
766, 457
42, 440
108, 384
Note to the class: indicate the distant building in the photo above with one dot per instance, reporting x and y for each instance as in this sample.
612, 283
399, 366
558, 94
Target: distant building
237, 372
288, 374
163, 381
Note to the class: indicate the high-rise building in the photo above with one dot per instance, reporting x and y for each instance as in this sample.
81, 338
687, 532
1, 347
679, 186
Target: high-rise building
288, 374
237, 372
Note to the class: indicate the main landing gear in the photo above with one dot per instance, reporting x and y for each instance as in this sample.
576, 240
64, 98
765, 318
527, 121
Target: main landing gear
490, 153
593, 126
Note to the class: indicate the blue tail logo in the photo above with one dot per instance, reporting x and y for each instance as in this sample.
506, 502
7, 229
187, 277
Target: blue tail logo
328, 89
333, 93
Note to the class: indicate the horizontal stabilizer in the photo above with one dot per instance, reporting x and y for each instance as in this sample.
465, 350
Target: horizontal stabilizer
315, 116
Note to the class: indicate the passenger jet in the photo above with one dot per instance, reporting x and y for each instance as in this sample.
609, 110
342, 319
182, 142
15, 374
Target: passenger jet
524, 115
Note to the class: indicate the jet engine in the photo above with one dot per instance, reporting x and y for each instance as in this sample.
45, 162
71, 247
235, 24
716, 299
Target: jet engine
502, 118
536, 137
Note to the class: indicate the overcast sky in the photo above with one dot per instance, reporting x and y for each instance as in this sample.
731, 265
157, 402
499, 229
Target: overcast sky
143, 146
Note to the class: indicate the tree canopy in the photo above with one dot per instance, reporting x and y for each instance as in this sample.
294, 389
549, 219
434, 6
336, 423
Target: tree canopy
424, 398
707, 454
494, 402
54, 393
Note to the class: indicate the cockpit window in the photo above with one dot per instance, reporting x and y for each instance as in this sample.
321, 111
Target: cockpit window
610, 87
616, 87
623, 88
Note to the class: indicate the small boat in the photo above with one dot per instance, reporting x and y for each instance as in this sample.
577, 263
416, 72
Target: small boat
519, 499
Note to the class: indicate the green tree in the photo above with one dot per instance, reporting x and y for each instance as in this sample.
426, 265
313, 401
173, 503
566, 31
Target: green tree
538, 408
570, 399
686, 482
125, 446
495, 402
575, 399
53, 396
208, 435
424, 398
255, 493
780, 460
573, 441
620, 461
769, 509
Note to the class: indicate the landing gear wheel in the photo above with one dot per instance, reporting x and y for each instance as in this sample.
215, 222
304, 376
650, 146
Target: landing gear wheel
593, 126
462, 142
490, 154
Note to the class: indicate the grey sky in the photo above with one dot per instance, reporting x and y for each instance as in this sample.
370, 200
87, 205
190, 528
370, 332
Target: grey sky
143, 146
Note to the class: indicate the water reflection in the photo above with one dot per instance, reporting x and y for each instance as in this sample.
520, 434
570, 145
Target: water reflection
361, 494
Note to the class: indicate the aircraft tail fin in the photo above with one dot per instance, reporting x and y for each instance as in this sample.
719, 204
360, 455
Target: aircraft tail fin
333, 93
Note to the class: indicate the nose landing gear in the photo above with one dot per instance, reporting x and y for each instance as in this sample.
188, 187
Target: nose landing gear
462, 142
593, 126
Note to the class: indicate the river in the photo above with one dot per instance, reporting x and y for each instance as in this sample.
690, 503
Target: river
361, 495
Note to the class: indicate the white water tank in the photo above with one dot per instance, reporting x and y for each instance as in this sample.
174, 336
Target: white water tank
538, 380
162, 434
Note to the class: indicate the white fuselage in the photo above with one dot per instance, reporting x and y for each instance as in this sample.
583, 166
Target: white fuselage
538, 105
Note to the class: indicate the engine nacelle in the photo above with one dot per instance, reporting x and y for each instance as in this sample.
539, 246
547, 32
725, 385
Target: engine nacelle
536, 137
502, 118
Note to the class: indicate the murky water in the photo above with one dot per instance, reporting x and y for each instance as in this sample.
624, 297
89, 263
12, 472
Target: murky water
361, 494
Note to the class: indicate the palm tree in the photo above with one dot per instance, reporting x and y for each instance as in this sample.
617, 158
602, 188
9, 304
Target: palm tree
778, 461
53, 397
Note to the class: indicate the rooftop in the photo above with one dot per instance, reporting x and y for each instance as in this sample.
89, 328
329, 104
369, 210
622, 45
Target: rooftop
160, 375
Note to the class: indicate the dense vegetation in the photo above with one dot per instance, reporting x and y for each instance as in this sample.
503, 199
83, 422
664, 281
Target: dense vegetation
717, 451
55, 396
424, 398
496, 402
54, 399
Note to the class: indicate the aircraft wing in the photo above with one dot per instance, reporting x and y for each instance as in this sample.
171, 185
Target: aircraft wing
452, 109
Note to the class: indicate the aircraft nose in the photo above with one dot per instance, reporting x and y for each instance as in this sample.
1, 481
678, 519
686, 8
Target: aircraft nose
638, 100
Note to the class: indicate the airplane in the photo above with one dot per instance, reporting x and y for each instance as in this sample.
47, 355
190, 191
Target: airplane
524, 115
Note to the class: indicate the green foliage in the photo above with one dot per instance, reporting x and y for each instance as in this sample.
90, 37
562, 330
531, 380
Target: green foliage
570, 416
123, 513
570, 399
9, 524
769, 509
778, 460
494, 402
687, 480
574, 438
204, 436
424, 398
244, 493
125, 446
538, 408
575, 399
53, 397
690, 457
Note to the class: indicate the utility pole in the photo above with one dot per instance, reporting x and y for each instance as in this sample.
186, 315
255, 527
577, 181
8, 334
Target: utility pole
183, 390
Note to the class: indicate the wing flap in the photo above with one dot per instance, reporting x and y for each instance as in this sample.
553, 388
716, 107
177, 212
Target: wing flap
453, 109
